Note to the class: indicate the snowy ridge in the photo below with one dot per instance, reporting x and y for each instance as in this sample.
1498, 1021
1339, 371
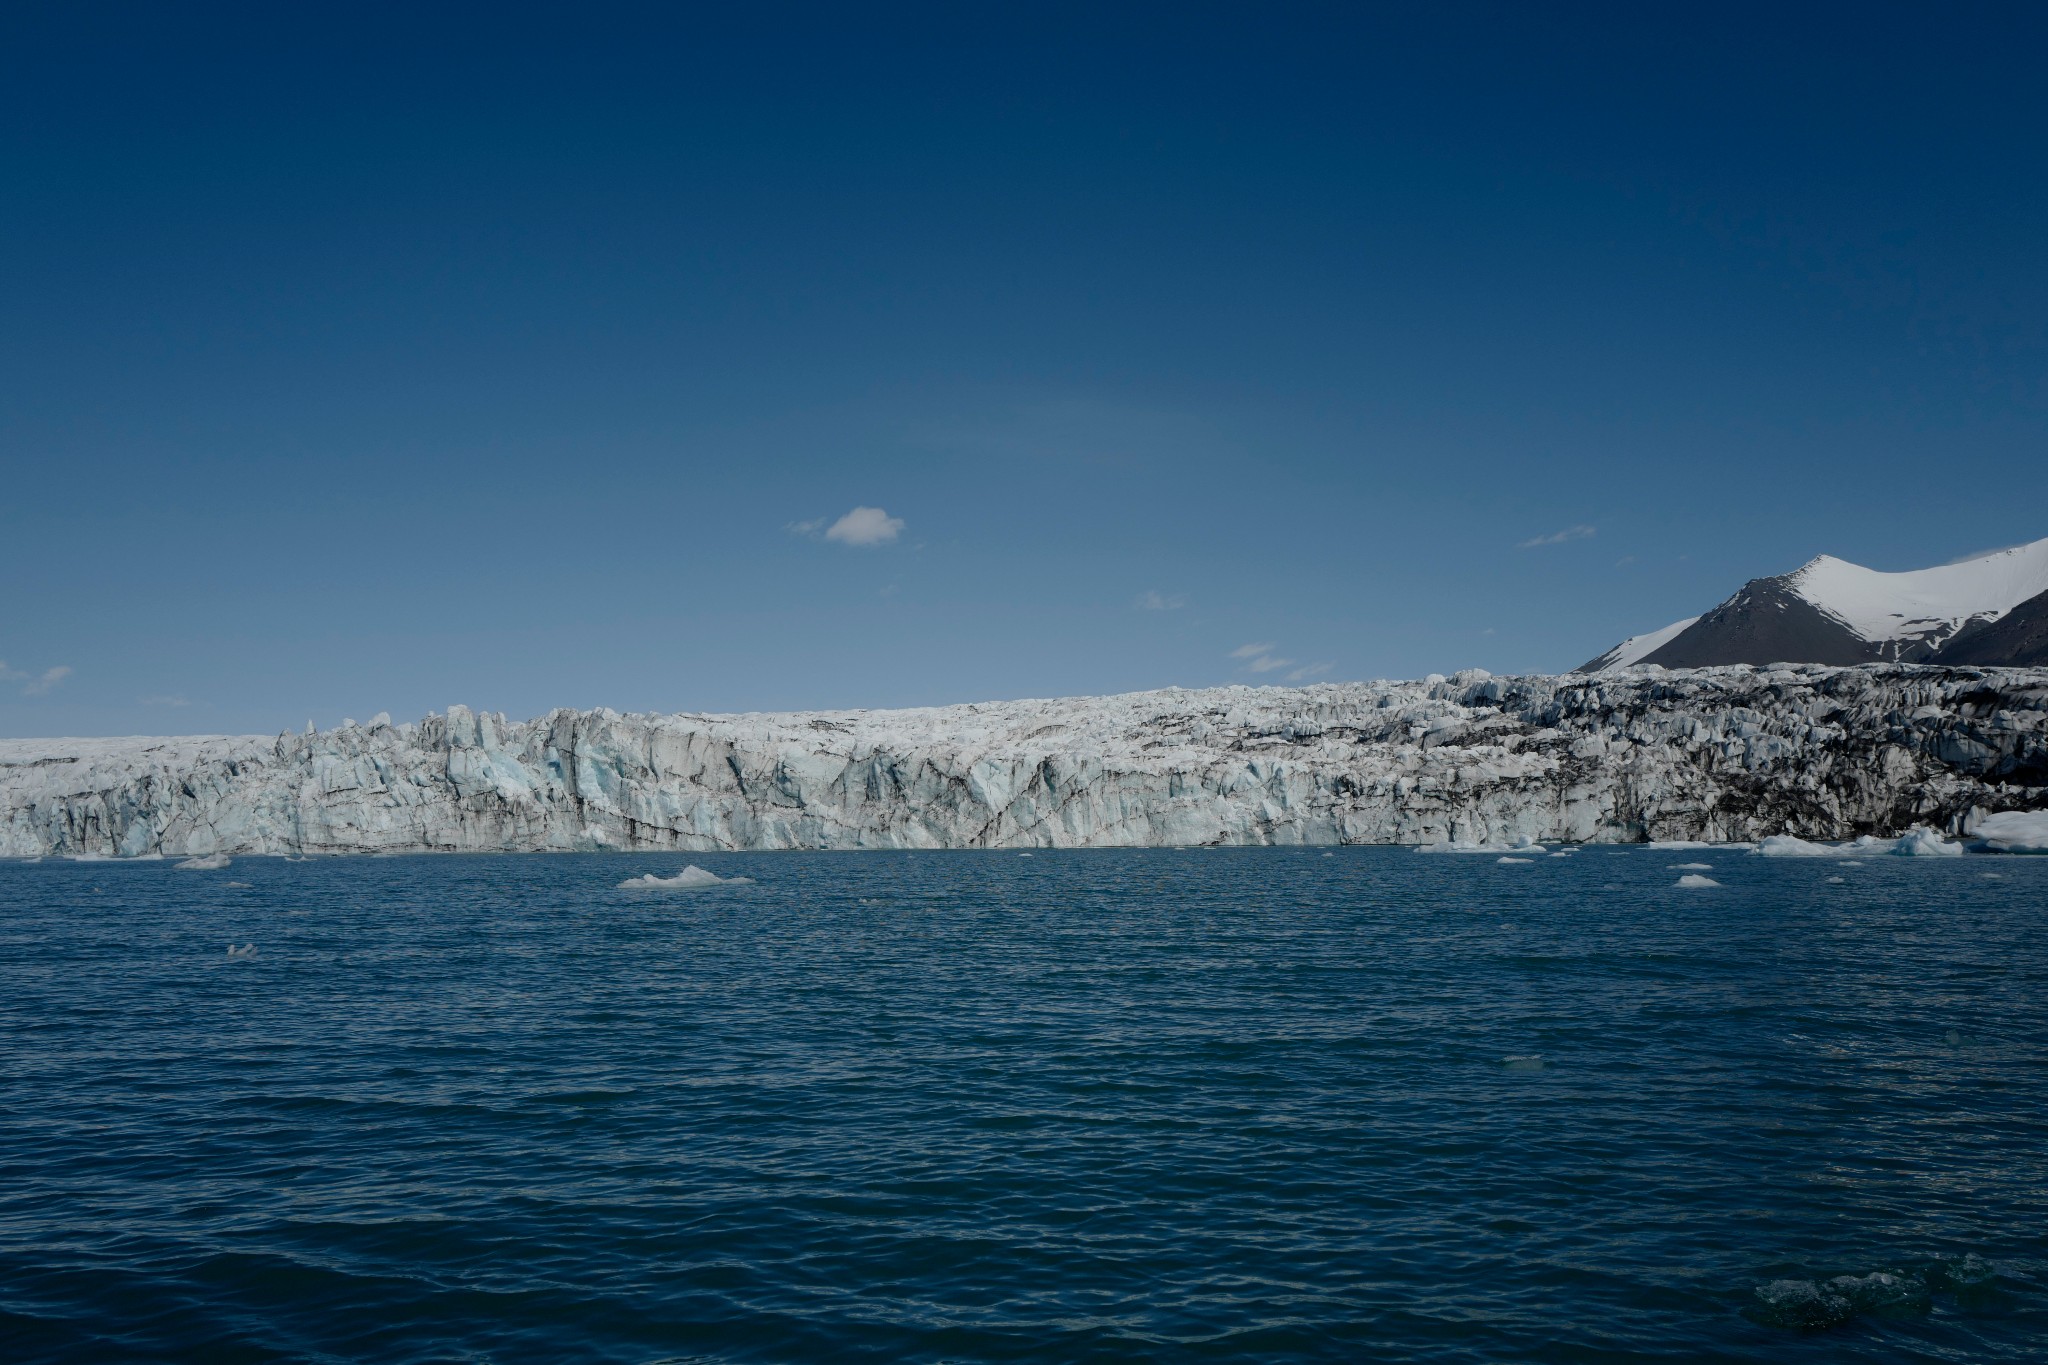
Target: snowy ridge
1923, 606
1636, 648
1829, 611
1715, 754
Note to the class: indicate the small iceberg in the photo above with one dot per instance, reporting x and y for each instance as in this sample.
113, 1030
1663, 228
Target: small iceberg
1792, 846
210, 862
691, 878
1693, 880
1691, 867
1922, 842
1524, 845
2014, 831
246, 950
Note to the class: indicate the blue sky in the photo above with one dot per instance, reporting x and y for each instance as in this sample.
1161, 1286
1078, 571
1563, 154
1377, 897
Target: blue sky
362, 359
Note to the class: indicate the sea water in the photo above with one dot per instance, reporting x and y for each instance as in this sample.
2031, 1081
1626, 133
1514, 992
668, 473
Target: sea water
1166, 1105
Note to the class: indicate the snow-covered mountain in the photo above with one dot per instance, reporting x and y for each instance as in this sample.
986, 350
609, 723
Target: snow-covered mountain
1731, 753
1990, 610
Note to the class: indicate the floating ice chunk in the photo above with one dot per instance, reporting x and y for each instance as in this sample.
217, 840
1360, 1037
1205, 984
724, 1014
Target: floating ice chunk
1922, 842
691, 878
1792, 846
1466, 846
2015, 831
1694, 880
1690, 867
243, 885
1515, 860
1023, 855
1838, 880
1801, 1303
246, 950
211, 862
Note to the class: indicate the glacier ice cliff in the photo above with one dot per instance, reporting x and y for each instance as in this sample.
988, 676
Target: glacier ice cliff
1714, 754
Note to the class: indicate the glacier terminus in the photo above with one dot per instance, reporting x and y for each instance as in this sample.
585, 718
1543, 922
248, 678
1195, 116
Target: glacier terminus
1716, 754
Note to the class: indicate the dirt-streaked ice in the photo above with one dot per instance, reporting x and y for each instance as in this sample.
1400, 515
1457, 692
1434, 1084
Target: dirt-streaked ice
1499, 764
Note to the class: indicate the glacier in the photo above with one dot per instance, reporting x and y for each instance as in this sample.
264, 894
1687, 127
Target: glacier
1711, 755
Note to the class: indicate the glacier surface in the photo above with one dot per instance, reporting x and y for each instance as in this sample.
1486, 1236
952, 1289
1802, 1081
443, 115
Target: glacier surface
1486, 763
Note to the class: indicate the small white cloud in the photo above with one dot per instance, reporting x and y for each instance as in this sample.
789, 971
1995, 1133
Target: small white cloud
164, 701
50, 678
805, 528
1558, 537
865, 526
1624, 561
1251, 651
1153, 600
1307, 671
1266, 663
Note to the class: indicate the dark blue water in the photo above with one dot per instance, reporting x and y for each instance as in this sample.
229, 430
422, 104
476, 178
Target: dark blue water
1243, 1105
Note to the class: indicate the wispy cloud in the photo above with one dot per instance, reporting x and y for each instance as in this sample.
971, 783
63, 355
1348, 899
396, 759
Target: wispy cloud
1259, 658
46, 680
805, 528
1307, 671
164, 701
1580, 532
1986, 554
1153, 600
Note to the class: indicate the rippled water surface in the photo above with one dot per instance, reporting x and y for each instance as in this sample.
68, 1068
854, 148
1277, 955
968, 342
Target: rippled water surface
1221, 1104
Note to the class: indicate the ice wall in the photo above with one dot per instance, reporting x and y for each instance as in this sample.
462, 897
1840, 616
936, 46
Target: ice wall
1726, 753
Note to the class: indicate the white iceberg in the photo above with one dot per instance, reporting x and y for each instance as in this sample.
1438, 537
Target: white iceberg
1922, 842
1691, 867
2015, 831
1694, 879
211, 862
1792, 846
691, 878
1468, 846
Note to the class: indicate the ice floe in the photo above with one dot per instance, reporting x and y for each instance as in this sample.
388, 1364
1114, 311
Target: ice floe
2014, 831
1693, 880
1922, 842
210, 862
1792, 846
1896, 1292
691, 878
